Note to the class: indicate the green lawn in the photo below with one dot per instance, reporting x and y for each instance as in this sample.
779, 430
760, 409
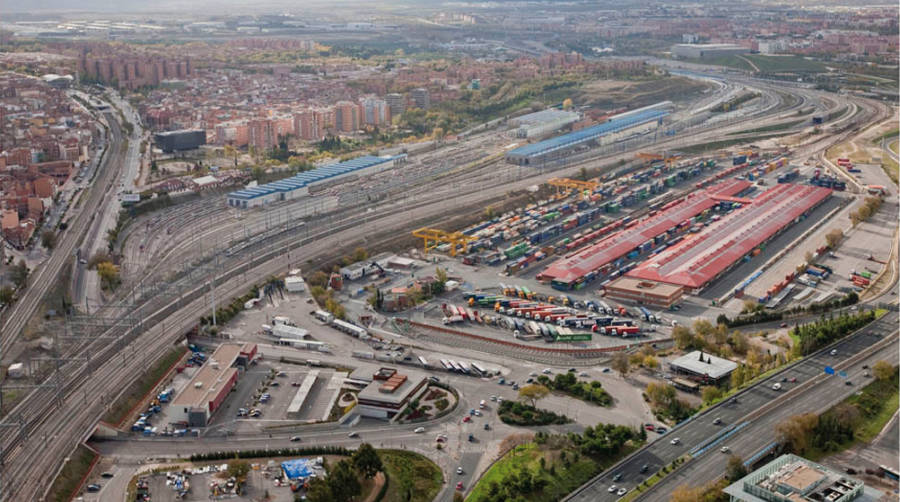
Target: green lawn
565, 469
411, 477
70, 477
766, 64
778, 64
527, 457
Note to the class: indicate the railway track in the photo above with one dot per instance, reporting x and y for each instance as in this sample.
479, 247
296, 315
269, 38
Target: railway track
46, 274
32, 457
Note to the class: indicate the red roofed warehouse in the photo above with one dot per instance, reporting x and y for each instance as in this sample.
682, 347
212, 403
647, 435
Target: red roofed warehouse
606, 258
696, 262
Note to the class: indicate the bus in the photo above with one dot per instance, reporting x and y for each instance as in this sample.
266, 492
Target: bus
423, 361
464, 367
446, 365
479, 369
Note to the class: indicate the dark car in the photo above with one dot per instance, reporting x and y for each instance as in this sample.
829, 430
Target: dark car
107, 475
644, 468
617, 477
93, 488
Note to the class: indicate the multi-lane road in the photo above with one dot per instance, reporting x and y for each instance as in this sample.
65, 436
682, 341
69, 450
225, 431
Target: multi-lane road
751, 419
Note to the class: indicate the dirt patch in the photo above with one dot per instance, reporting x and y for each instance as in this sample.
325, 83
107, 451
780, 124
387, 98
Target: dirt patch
615, 93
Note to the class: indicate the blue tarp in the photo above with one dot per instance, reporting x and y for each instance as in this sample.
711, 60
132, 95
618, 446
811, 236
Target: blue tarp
297, 468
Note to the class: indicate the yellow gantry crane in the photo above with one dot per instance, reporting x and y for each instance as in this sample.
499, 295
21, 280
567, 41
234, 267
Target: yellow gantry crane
650, 157
433, 238
566, 185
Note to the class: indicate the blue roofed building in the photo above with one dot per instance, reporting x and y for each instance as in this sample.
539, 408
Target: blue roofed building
299, 468
618, 127
299, 185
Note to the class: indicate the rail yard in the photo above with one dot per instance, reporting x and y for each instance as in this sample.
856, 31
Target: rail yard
402, 296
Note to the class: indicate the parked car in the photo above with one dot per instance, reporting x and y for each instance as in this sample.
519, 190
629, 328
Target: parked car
107, 475
725, 449
612, 489
617, 477
459, 486
93, 488
649, 427
622, 491
717, 421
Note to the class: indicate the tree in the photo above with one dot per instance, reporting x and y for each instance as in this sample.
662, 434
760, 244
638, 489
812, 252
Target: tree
440, 274
735, 469
109, 274
319, 491
833, 238
620, 363
533, 392
360, 254
883, 370
343, 481
685, 493
238, 469
650, 362
683, 337
795, 432
48, 239
20, 274
6, 295
367, 461
710, 393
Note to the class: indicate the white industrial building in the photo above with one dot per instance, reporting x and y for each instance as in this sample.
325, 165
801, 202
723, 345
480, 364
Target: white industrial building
541, 123
702, 366
706, 51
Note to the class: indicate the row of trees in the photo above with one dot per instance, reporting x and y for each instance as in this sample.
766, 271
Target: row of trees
866, 210
816, 335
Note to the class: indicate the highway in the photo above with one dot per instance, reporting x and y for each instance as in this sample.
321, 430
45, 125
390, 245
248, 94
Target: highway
756, 412
167, 313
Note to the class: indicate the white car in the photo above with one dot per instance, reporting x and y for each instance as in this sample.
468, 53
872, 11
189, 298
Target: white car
533, 374
725, 449
834, 352
477, 413
546, 371
459, 470
419, 430
675, 441
622, 491
611, 489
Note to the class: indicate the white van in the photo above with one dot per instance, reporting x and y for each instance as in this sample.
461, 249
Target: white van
481, 404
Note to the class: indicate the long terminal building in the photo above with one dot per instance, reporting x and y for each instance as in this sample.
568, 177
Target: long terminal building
700, 260
300, 185
617, 128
